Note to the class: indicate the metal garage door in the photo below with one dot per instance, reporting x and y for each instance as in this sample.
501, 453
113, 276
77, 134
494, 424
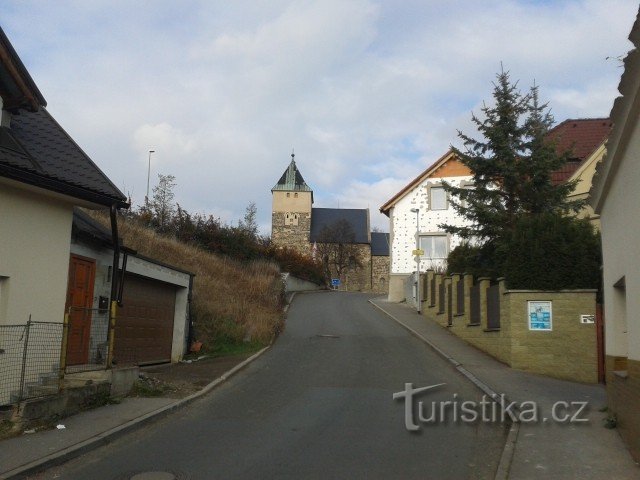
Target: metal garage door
144, 325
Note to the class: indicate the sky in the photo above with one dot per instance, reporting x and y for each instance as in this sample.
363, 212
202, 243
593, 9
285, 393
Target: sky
368, 93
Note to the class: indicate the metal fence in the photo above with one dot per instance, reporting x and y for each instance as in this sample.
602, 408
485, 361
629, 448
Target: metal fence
34, 356
29, 360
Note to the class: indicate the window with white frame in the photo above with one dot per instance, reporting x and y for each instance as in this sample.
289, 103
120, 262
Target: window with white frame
437, 198
434, 246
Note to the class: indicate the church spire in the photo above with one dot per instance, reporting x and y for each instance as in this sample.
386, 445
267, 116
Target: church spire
291, 180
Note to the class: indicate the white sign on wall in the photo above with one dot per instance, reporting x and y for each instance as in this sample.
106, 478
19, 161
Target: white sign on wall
587, 319
540, 315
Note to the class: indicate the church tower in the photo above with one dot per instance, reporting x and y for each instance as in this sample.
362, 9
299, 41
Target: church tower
291, 203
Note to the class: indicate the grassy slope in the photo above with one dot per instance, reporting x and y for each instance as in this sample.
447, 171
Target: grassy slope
232, 302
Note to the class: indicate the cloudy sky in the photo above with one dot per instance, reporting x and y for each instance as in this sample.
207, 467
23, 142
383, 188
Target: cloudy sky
369, 93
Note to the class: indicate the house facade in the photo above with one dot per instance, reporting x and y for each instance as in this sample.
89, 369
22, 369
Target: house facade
43, 175
420, 208
328, 234
615, 197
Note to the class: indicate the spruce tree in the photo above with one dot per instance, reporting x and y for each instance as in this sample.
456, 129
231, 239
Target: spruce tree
511, 166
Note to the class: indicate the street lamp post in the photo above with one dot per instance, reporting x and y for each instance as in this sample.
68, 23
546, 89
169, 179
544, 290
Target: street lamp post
417, 212
146, 197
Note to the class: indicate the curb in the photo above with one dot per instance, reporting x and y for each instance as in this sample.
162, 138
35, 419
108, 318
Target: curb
108, 436
502, 472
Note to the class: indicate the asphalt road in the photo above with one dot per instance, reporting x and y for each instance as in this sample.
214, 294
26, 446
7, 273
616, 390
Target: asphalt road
317, 405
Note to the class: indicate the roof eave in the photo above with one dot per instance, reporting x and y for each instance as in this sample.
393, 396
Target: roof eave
61, 187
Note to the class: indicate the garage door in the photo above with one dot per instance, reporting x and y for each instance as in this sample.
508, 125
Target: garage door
144, 326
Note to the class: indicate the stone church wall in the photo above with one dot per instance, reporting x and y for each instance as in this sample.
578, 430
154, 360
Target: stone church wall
294, 236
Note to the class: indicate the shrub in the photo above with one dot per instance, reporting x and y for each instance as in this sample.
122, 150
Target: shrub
552, 252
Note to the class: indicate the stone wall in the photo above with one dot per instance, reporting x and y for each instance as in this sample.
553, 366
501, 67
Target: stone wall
380, 274
623, 391
358, 278
567, 351
293, 236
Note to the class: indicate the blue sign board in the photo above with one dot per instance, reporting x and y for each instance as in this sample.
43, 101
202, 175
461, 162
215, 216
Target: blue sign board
335, 282
540, 316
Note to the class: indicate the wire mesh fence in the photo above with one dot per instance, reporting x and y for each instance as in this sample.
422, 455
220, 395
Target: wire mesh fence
87, 339
29, 360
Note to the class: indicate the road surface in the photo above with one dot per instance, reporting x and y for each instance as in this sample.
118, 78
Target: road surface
317, 405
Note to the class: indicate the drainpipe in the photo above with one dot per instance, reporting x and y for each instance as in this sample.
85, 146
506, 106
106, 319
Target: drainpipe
114, 283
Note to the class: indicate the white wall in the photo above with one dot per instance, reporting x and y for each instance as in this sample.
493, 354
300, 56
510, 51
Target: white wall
403, 225
621, 253
34, 255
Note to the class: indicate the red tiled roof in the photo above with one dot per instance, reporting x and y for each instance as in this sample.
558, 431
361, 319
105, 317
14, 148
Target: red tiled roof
580, 135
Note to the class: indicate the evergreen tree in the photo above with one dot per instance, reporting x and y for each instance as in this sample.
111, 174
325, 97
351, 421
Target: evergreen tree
511, 166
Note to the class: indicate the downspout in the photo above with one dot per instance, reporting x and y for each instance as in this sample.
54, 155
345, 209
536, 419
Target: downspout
114, 283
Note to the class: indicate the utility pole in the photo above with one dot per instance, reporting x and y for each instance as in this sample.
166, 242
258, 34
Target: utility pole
418, 305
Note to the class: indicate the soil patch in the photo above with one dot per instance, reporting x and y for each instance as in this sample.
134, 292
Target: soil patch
178, 380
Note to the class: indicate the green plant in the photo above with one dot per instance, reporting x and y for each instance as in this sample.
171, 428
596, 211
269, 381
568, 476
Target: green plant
551, 252
611, 421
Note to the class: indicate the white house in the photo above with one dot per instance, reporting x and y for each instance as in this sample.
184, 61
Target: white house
615, 196
423, 201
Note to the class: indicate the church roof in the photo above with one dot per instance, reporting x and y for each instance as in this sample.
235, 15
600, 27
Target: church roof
358, 218
291, 180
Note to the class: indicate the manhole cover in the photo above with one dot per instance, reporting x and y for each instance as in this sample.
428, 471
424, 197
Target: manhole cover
154, 476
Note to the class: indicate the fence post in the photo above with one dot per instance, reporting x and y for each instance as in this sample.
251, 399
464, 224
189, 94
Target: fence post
63, 350
24, 357
112, 331
456, 278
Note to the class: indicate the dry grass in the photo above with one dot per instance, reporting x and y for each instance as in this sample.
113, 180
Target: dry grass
232, 302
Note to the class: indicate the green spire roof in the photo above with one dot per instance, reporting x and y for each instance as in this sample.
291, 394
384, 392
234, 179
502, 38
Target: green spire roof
291, 180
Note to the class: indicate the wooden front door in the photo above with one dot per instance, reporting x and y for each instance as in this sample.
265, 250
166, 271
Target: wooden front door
82, 272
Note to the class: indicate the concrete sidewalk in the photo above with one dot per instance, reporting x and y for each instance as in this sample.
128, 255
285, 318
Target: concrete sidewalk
542, 450
30, 453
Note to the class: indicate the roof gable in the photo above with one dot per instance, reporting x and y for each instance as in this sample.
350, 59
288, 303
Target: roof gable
447, 165
17, 87
580, 135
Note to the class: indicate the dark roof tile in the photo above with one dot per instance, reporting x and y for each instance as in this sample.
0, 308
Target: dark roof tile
582, 136
380, 244
326, 217
47, 152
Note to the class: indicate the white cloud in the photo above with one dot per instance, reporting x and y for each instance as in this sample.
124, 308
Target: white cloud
368, 92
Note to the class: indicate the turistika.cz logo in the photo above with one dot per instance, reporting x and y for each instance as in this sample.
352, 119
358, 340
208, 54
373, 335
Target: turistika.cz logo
488, 409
